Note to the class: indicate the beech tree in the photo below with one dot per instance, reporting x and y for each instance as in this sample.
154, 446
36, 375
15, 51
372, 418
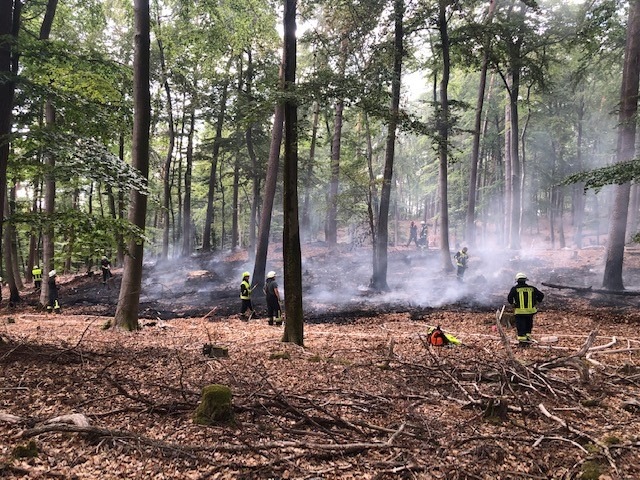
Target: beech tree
294, 325
379, 280
126, 315
9, 27
625, 150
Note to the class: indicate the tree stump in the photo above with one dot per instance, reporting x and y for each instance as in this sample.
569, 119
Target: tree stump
496, 411
215, 405
214, 351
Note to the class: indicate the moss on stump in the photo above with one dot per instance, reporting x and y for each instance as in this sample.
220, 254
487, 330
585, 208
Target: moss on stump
30, 450
215, 405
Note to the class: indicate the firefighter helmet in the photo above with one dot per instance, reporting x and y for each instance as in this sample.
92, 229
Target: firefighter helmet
520, 276
271, 274
246, 274
52, 273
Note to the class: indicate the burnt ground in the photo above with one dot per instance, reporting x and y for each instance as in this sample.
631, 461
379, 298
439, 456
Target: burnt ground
365, 398
336, 284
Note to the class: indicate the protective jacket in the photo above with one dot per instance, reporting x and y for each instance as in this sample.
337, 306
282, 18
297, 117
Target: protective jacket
37, 274
524, 298
245, 290
461, 258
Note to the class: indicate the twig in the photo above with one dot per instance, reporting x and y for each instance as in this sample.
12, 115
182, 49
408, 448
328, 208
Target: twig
210, 312
562, 439
595, 441
397, 433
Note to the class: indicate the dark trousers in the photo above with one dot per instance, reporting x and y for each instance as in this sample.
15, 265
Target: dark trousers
524, 324
460, 273
246, 305
53, 300
273, 308
106, 275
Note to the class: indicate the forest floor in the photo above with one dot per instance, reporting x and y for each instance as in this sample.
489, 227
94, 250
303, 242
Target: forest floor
365, 398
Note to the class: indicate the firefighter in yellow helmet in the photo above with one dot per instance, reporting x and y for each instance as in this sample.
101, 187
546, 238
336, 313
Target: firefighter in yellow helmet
36, 273
462, 259
245, 296
524, 299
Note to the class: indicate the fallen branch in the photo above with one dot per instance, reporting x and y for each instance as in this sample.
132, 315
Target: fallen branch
569, 287
210, 312
562, 439
574, 361
593, 290
223, 447
595, 441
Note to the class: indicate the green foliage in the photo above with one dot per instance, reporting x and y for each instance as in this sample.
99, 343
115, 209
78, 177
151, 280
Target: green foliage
616, 174
80, 157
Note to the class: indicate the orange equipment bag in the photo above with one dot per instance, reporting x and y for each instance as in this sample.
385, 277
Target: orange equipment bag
436, 337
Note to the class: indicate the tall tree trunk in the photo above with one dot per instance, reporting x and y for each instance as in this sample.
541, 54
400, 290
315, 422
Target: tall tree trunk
305, 221
477, 133
177, 177
379, 281
49, 161
167, 168
129, 300
206, 234
235, 205
578, 190
34, 258
255, 168
331, 229
625, 151
372, 193
270, 184
10, 273
634, 205
516, 167
15, 254
235, 220
443, 140
508, 175
187, 233
9, 27
294, 325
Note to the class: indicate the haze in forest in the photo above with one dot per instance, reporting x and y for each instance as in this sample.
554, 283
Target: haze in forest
497, 106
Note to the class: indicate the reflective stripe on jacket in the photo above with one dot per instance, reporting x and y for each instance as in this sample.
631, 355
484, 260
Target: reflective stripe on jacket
245, 290
525, 301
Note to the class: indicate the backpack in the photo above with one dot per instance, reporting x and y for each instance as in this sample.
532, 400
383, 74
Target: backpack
436, 337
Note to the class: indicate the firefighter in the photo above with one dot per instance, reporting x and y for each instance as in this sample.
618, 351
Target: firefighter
273, 299
413, 234
461, 258
105, 266
36, 272
524, 299
423, 242
245, 296
53, 305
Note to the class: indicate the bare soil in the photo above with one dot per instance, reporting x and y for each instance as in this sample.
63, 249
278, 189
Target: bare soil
365, 398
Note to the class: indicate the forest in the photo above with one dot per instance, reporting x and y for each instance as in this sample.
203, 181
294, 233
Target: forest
186, 142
